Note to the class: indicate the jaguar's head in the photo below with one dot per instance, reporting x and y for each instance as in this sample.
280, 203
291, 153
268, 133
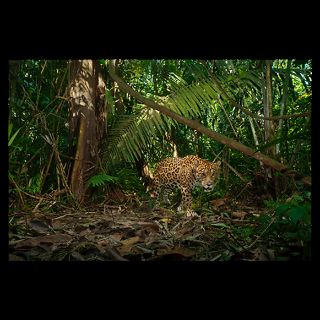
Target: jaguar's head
207, 174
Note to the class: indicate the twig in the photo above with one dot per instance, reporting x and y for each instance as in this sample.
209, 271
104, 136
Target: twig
68, 214
22, 202
262, 233
31, 195
248, 184
37, 206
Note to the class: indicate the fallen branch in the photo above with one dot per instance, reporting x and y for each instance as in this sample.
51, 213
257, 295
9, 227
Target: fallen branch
233, 144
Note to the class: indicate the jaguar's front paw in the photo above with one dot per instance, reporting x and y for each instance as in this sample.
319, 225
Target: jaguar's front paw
191, 213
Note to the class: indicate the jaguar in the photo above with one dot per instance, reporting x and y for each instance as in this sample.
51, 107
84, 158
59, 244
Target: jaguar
184, 173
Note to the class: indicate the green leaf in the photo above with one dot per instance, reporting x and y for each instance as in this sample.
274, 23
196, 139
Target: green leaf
297, 198
297, 213
13, 137
10, 129
281, 210
220, 224
100, 179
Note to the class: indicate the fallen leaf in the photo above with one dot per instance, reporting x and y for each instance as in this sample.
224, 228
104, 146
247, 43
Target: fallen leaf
185, 252
166, 220
76, 255
127, 245
38, 226
130, 241
117, 236
218, 202
49, 239
220, 224
239, 214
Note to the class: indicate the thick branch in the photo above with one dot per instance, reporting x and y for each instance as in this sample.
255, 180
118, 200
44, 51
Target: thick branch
195, 125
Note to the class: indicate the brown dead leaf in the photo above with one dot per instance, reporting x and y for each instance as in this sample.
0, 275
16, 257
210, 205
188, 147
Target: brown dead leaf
141, 234
127, 245
58, 224
117, 235
218, 202
130, 241
184, 230
149, 226
49, 239
239, 214
38, 225
185, 252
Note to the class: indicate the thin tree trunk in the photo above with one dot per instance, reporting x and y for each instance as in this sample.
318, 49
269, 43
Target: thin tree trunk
269, 129
14, 66
283, 103
268, 124
255, 138
223, 93
267, 110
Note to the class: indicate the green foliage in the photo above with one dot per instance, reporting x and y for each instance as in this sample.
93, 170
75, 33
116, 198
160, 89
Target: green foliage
34, 185
129, 135
292, 220
244, 233
11, 138
38, 104
129, 180
292, 136
34, 87
296, 211
101, 179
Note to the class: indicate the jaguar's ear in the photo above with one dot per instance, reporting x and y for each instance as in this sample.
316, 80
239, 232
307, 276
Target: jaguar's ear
218, 163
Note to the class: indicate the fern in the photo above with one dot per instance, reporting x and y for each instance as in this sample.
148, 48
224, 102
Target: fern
100, 179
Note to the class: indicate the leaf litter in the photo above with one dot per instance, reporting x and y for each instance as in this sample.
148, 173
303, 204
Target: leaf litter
127, 233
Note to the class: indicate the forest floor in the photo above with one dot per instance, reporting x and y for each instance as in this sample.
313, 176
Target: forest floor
226, 230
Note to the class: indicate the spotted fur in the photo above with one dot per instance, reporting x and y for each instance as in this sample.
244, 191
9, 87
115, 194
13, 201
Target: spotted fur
184, 173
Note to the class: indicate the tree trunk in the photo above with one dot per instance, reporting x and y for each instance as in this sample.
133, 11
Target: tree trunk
255, 138
268, 124
283, 105
14, 66
87, 122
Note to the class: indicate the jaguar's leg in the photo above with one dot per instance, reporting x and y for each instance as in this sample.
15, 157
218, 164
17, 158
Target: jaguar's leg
156, 194
165, 195
186, 202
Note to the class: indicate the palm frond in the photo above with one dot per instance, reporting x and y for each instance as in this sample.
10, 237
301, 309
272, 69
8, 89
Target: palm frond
131, 133
190, 100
